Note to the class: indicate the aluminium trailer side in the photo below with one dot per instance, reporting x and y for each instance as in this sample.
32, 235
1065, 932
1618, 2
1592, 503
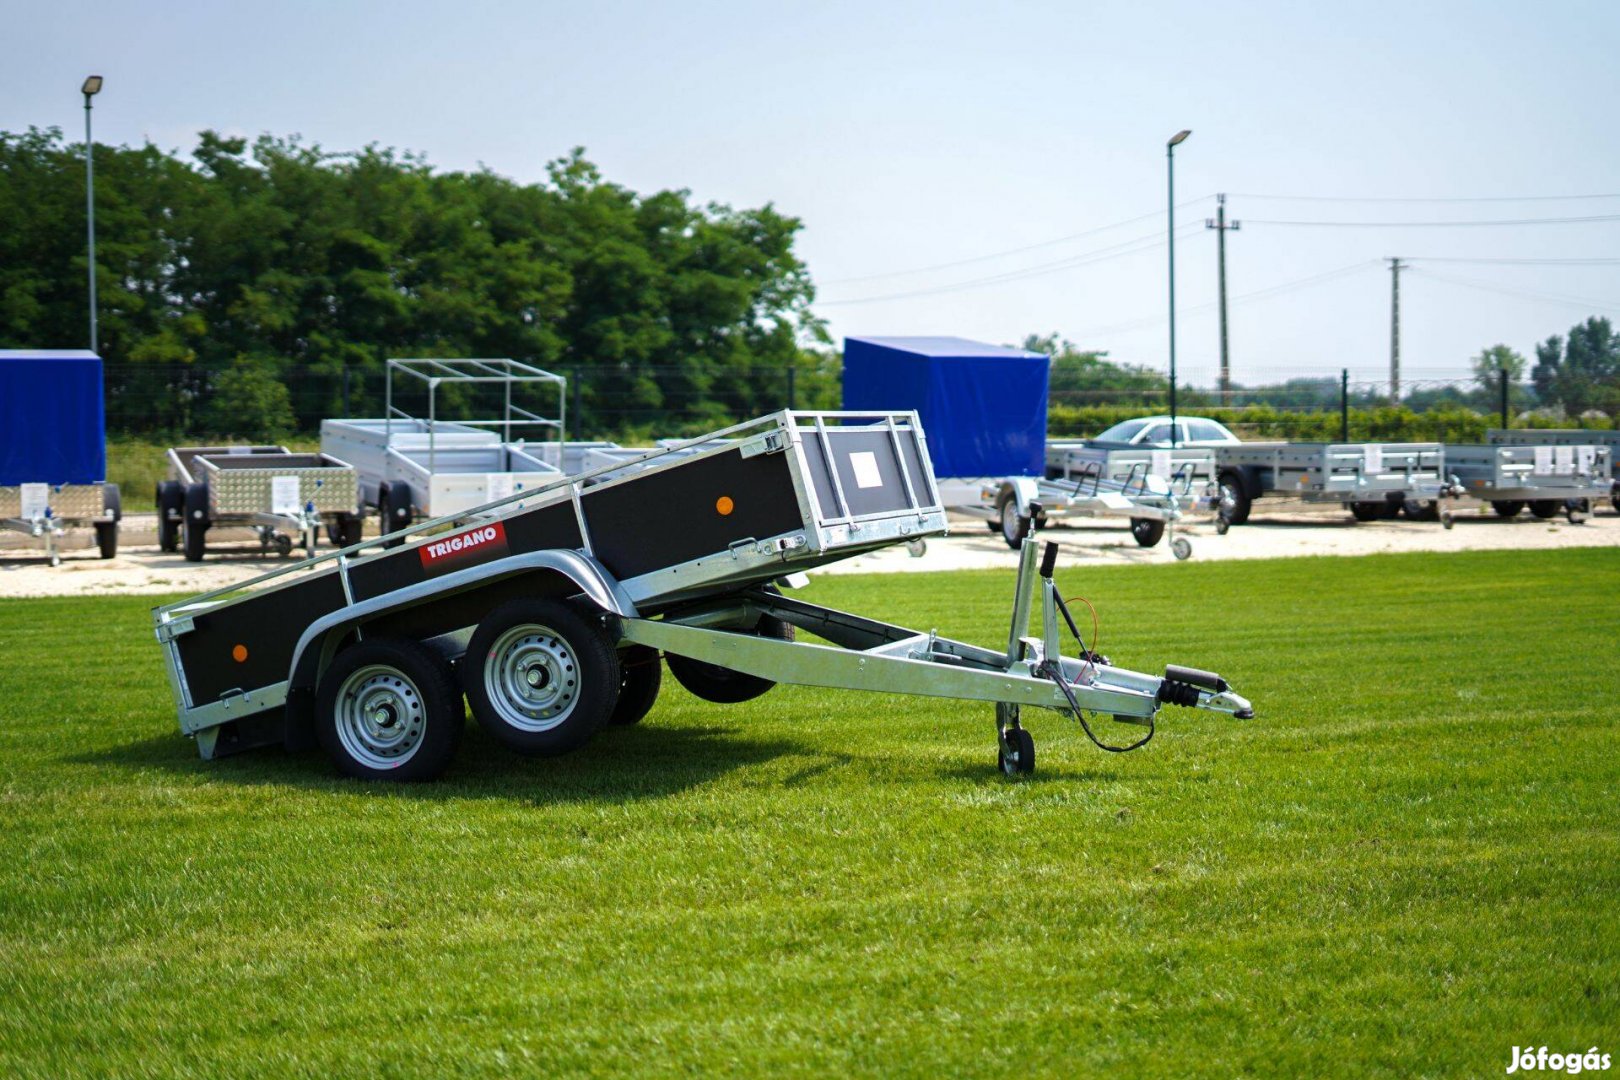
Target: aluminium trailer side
550, 609
1371, 480
53, 449
1565, 437
1548, 479
270, 489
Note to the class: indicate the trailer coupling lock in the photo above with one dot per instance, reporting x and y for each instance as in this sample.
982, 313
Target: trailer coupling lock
1183, 685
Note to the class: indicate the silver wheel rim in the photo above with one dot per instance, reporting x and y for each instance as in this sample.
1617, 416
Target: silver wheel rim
1010, 523
380, 717
531, 677
1228, 504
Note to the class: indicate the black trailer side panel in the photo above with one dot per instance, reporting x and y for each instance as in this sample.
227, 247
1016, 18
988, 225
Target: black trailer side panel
554, 526
653, 521
249, 644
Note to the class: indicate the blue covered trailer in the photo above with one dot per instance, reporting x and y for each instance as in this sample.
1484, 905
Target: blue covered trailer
983, 406
53, 447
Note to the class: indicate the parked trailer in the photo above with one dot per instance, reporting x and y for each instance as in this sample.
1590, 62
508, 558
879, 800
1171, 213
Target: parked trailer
1565, 437
1372, 480
269, 489
550, 610
413, 467
1546, 479
53, 449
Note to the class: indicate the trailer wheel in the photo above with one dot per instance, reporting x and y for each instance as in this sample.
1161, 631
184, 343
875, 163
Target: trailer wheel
723, 685
107, 538
387, 709
1014, 526
1235, 501
394, 508
1015, 754
1181, 548
1147, 531
1577, 510
112, 502
194, 524
540, 677
1421, 509
347, 530
1544, 508
1507, 508
641, 676
1368, 511
171, 508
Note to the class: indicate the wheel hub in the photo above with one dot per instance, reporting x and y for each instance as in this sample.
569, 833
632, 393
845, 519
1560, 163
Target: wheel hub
380, 717
532, 678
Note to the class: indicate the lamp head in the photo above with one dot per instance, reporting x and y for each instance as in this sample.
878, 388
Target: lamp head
1178, 138
92, 86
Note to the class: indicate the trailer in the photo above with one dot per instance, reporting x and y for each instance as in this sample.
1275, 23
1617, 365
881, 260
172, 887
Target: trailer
53, 449
1372, 480
551, 610
412, 467
271, 490
1562, 437
1546, 479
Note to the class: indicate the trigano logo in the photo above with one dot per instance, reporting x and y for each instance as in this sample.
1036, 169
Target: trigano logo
474, 545
1534, 1059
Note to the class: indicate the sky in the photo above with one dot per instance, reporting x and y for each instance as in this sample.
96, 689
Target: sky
985, 170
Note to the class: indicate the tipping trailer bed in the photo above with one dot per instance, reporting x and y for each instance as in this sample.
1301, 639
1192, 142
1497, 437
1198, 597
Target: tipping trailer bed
550, 609
1548, 479
1565, 437
1372, 480
269, 489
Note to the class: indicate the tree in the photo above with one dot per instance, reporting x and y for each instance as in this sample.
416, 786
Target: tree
1491, 362
1582, 371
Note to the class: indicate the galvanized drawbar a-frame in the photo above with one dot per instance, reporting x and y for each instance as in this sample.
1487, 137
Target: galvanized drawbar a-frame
550, 608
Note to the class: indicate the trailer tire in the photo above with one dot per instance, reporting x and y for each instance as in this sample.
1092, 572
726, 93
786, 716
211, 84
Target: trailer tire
194, 524
641, 675
388, 709
1421, 509
347, 530
394, 508
112, 502
1013, 526
1368, 511
171, 508
1147, 531
1235, 501
1545, 509
1507, 508
540, 677
1015, 756
107, 539
722, 685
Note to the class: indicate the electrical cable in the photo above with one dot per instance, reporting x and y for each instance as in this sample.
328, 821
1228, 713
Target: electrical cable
1568, 301
1422, 199
1434, 224
1054, 669
1013, 251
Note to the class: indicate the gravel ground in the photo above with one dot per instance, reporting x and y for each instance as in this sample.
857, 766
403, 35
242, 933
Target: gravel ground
1280, 530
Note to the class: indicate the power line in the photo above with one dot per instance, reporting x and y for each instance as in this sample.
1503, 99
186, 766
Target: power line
1521, 262
1257, 294
1437, 224
1553, 298
1011, 251
1114, 251
1426, 199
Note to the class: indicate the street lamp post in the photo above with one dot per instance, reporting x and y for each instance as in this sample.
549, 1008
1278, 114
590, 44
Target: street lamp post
1170, 166
91, 87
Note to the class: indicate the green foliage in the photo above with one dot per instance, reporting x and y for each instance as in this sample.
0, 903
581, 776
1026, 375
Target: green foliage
248, 402
328, 263
1490, 363
1076, 373
1582, 372
1400, 868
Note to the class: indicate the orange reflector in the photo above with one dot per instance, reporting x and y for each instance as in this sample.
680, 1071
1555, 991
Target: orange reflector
724, 505
239, 653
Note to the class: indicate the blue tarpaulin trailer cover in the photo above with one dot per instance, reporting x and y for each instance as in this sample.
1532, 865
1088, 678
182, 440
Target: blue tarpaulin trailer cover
52, 424
982, 406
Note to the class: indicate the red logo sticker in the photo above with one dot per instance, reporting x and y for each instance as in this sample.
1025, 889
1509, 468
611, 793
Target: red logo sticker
464, 548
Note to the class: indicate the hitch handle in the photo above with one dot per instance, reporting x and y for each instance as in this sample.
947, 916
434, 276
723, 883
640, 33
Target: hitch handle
1194, 677
1049, 560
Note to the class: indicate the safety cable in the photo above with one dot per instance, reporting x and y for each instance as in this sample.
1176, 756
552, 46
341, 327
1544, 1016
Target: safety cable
1054, 669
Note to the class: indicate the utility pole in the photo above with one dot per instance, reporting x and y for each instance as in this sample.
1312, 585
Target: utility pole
1219, 223
91, 87
1394, 331
1170, 234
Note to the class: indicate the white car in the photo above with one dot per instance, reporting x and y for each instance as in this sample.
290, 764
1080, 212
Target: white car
1154, 431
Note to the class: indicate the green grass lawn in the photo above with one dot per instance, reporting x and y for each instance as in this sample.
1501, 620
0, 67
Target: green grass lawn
1407, 865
